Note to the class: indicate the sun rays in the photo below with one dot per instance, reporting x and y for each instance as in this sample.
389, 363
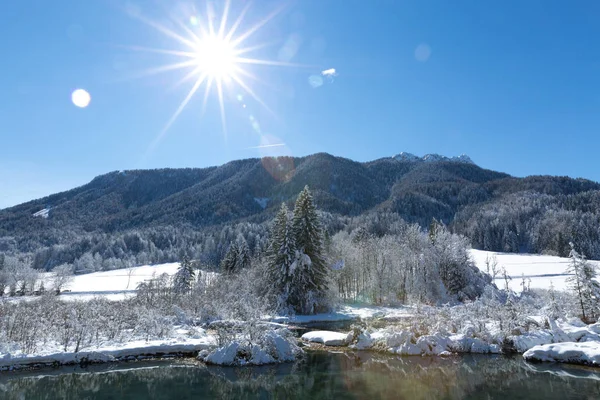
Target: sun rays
214, 55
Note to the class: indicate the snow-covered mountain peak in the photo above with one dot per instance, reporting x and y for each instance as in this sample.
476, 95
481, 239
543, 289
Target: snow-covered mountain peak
404, 156
463, 158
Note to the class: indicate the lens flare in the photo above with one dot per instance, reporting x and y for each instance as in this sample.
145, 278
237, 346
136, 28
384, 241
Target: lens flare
81, 98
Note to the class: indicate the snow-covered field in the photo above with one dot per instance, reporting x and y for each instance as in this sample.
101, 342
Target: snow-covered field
117, 284
113, 285
542, 270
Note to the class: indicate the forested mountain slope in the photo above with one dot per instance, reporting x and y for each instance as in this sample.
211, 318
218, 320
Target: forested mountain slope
496, 211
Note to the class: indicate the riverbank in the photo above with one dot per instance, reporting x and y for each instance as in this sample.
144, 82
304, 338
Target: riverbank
563, 341
381, 329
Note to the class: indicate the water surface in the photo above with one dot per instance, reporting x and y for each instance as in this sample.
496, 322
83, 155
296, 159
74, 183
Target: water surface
321, 375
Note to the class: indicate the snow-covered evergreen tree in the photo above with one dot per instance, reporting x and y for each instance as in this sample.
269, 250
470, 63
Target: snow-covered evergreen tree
243, 259
310, 271
281, 258
184, 277
230, 261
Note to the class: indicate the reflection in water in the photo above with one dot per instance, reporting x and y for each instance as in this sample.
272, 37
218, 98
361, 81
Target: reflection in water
319, 376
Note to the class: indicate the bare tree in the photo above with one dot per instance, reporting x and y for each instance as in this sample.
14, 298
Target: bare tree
63, 275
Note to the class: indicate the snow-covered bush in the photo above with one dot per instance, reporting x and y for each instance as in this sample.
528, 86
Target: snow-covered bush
271, 346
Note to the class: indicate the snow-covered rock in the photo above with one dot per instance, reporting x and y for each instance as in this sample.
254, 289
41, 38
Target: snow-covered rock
225, 355
434, 158
463, 158
587, 353
276, 346
527, 341
328, 338
433, 344
408, 349
404, 156
595, 328
395, 339
363, 341
465, 344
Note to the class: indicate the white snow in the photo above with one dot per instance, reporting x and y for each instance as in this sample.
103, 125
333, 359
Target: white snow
542, 270
587, 353
403, 156
275, 347
328, 338
108, 352
42, 213
117, 284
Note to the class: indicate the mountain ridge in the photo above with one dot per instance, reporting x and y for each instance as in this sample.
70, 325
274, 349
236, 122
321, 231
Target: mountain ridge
417, 190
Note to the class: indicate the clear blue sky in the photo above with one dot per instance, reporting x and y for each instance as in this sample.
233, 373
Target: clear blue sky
513, 84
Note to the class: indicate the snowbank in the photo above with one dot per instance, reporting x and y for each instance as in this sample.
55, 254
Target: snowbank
116, 352
328, 338
275, 346
406, 343
586, 353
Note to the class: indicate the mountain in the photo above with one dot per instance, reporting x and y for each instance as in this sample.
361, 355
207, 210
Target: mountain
463, 158
453, 190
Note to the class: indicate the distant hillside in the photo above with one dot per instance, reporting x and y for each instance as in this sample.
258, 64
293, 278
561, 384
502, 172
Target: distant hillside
455, 191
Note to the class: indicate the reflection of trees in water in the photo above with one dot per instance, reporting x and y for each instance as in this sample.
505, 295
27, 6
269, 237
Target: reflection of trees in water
319, 376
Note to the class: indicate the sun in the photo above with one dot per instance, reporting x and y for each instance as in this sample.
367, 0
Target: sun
214, 53
215, 57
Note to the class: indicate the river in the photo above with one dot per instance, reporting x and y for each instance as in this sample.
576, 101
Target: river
320, 375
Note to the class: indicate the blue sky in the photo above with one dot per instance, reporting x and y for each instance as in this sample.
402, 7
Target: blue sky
513, 84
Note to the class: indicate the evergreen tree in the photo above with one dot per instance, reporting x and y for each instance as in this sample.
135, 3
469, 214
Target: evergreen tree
243, 259
434, 227
230, 261
310, 273
184, 277
281, 258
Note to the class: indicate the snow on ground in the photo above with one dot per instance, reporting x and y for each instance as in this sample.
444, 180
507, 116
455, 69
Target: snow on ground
328, 338
542, 270
587, 353
108, 352
42, 213
117, 284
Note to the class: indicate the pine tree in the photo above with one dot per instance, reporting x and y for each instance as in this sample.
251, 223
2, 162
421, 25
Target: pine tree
184, 277
434, 227
230, 261
310, 273
281, 257
243, 259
